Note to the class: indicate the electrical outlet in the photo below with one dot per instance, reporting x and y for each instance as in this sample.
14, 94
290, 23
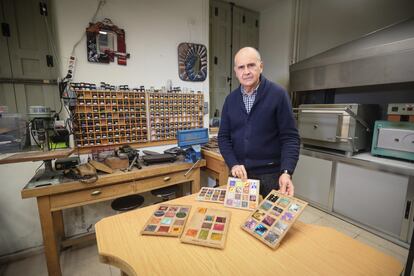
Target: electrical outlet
71, 67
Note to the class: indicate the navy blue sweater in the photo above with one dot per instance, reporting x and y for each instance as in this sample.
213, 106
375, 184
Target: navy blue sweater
266, 140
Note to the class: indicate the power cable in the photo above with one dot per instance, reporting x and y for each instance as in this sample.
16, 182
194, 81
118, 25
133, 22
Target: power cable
100, 5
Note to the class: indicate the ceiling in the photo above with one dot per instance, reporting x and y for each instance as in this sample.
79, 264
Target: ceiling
256, 5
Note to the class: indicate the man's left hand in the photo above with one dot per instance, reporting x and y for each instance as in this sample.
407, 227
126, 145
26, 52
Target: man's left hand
286, 184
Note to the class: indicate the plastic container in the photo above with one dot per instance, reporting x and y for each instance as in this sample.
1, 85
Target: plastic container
12, 132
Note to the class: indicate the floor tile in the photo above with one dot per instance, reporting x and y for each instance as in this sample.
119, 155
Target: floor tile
401, 258
75, 256
340, 225
83, 261
383, 245
32, 266
315, 211
115, 271
87, 270
309, 216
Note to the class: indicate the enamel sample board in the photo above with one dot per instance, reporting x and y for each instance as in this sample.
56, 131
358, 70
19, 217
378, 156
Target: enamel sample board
207, 227
167, 220
273, 218
242, 194
211, 194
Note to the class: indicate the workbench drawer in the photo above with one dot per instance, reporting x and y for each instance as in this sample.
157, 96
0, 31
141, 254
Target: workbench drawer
95, 194
102, 193
156, 182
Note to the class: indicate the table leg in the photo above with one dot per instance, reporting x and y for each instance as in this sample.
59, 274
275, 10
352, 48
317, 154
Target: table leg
181, 189
217, 165
59, 225
195, 184
49, 236
223, 176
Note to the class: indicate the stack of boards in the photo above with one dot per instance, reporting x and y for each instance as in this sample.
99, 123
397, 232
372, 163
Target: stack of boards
269, 222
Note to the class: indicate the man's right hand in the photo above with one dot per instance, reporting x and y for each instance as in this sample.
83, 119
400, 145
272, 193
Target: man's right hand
239, 171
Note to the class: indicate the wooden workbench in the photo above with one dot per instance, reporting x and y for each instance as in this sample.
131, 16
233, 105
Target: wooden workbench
305, 250
51, 200
215, 166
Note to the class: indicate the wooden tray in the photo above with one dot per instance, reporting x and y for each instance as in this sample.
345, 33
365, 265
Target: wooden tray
273, 218
242, 194
207, 227
167, 220
211, 195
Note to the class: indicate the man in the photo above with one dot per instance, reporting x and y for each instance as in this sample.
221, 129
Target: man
258, 137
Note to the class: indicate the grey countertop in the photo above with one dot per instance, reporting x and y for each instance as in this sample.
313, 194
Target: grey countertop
365, 160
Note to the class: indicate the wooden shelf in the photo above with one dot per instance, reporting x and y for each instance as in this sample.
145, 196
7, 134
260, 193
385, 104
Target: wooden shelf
112, 118
36, 156
169, 112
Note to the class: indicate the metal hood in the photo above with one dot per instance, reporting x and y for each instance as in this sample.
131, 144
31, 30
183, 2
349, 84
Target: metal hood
381, 57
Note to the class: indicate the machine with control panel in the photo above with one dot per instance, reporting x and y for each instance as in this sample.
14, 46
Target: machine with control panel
400, 112
401, 109
395, 137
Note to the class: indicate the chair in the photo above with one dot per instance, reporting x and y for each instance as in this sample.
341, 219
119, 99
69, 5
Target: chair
127, 203
166, 192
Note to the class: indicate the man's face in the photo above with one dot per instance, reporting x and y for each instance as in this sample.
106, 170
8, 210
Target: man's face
248, 69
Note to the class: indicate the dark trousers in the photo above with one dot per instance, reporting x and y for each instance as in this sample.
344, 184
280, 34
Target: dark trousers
268, 182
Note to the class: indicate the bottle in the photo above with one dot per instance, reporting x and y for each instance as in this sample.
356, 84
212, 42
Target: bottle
168, 85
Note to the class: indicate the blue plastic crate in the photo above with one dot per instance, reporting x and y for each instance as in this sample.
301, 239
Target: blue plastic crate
189, 137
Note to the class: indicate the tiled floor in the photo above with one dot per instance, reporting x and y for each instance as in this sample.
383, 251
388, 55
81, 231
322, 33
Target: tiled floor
84, 261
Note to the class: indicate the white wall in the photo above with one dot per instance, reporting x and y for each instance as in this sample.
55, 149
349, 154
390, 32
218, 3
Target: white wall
153, 31
153, 28
275, 40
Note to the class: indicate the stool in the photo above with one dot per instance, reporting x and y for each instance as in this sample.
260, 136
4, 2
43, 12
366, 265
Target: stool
127, 203
165, 192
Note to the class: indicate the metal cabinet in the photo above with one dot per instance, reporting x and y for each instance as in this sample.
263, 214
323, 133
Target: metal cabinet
373, 198
312, 180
